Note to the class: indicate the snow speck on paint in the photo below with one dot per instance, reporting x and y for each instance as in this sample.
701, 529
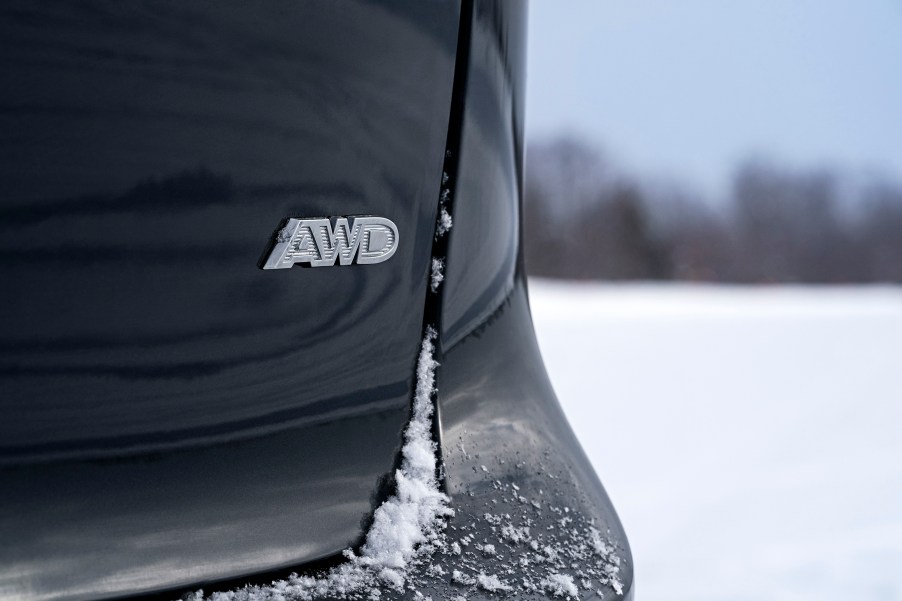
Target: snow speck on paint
444, 222
560, 585
438, 274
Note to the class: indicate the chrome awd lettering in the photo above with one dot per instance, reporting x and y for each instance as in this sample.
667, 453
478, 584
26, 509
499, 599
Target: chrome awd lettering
320, 242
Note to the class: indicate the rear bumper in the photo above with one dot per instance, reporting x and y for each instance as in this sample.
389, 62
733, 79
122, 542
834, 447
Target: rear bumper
518, 477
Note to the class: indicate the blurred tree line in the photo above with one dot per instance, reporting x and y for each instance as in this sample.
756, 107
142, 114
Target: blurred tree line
585, 220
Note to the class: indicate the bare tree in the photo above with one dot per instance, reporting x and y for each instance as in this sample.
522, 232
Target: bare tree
584, 220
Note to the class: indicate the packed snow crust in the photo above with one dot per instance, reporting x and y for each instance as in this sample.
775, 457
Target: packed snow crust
409, 523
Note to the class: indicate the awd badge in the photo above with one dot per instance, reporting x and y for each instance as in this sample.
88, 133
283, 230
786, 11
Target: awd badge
320, 242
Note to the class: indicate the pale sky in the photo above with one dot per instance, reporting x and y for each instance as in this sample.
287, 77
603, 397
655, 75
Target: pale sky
687, 88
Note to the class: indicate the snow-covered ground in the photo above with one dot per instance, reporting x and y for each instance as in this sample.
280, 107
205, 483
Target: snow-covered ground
750, 438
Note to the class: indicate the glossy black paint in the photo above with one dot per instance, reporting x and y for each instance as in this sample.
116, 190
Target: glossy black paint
502, 423
172, 413
286, 487
484, 244
500, 420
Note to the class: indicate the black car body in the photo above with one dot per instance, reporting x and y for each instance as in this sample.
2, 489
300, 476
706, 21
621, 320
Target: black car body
176, 417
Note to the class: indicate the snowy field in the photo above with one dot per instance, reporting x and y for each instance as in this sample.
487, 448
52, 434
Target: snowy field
750, 438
